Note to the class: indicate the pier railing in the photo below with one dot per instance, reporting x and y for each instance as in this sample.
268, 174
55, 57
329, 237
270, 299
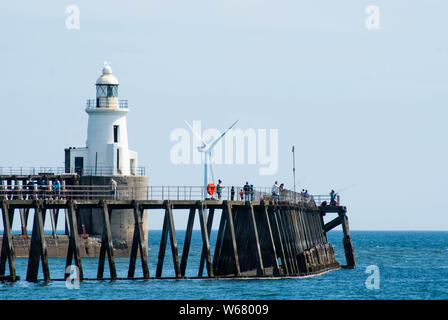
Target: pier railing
107, 192
106, 103
31, 170
87, 170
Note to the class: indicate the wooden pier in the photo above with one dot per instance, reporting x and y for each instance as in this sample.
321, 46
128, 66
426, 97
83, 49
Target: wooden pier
255, 239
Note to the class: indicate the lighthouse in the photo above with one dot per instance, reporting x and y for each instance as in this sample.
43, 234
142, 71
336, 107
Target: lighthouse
107, 151
106, 158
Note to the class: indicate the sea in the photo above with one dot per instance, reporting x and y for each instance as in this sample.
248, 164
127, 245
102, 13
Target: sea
391, 265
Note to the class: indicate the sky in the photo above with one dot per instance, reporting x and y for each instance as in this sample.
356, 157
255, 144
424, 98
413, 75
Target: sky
364, 107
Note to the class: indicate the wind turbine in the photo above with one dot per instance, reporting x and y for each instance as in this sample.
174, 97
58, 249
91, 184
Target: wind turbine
207, 149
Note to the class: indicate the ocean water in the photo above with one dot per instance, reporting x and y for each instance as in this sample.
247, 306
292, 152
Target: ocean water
391, 265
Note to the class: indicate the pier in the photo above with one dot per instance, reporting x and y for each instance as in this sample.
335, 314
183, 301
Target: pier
106, 202
265, 237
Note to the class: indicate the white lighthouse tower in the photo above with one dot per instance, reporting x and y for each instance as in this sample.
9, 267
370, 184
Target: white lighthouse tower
106, 158
107, 151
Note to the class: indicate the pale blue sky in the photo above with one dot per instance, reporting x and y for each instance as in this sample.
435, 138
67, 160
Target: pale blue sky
364, 107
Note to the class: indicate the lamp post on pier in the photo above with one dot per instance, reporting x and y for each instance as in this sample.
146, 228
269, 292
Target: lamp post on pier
294, 172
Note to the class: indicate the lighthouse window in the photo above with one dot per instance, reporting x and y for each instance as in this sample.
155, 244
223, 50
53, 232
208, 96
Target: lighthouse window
101, 91
115, 134
112, 91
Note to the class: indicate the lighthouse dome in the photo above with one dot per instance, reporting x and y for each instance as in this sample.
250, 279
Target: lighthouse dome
107, 77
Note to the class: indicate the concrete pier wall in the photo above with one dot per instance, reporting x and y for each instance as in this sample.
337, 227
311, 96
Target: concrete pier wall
121, 220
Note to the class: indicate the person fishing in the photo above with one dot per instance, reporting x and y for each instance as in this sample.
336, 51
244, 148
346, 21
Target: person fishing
333, 201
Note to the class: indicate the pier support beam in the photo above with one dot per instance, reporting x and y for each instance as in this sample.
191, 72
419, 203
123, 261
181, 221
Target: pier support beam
253, 227
23, 221
226, 235
168, 227
278, 236
229, 216
106, 246
205, 232
271, 241
38, 247
347, 241
7, 252
73, 244
138, 243
187, 241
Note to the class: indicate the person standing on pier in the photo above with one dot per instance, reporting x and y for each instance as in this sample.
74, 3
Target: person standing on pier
276, 190
281, 190
56, 189
219, 188
113, 192
246, 191
333, 198
232, 193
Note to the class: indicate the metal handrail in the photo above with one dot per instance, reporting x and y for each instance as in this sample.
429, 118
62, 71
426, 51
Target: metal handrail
88, 170
92, 192
106, 103
108, 170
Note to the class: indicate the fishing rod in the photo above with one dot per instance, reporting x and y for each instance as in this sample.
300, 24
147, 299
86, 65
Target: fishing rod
345, 188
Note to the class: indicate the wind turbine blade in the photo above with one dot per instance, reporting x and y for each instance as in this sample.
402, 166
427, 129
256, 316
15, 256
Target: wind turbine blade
196, 134
222, 135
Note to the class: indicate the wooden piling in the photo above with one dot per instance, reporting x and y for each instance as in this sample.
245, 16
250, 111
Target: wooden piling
73, 244
347, 241
219, 244
205, 232
253, 226
173, 241
168, 228
187, 241
38, 247
53, 223
294, 236
228, 216
287, 241
271, 241
7, 252
162, 246
23, 221
106, 246
138, 243
278, 239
